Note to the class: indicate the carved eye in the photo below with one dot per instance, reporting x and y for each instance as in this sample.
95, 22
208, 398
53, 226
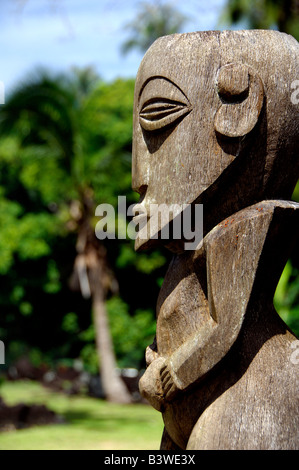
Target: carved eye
161, 103
161, 112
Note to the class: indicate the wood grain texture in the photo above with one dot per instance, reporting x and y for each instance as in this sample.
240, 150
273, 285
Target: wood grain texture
214, 124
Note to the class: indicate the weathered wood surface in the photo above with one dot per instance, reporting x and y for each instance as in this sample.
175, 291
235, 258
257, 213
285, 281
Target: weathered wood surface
214, 124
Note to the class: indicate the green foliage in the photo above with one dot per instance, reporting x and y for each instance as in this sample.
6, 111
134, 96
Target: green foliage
65, 140
89, 356
286, 298
295, 195
27, 235
107, 134
131, 334
144, 263
263, 14
70, 323
53, 284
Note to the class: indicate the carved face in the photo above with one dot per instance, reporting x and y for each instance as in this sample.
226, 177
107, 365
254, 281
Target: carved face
196, 103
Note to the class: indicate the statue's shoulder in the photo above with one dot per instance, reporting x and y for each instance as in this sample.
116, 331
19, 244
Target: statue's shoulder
250, 224
264, 211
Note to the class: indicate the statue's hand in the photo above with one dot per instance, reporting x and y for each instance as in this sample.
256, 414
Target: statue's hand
169, 388
150, 384
151, 353
157, 384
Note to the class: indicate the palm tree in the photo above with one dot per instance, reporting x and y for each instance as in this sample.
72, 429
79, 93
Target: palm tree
46, 113
152, 21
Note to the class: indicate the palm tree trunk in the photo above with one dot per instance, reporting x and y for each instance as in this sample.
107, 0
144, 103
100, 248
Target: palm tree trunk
114, 388
95, 279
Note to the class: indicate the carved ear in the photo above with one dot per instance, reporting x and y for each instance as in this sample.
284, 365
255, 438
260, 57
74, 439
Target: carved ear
241, 92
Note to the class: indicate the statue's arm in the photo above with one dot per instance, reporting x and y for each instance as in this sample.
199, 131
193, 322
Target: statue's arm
232, 250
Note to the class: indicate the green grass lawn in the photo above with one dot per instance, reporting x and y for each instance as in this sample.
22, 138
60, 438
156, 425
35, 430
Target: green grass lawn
90, 424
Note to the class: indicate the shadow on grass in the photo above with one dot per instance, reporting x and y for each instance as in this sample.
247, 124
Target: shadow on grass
109, 422
87, 423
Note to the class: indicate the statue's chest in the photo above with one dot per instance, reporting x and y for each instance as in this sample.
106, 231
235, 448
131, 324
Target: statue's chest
181, 309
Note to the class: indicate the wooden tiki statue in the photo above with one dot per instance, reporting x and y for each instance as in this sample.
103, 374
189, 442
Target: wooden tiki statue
215, 125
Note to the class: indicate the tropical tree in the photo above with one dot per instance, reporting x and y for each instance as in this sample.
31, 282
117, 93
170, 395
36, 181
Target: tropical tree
264, 14
153, 20
60, 167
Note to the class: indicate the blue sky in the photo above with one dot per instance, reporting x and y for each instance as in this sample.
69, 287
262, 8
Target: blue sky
59, 34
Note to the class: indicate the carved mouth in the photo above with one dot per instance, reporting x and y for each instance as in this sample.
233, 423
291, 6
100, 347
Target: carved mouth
141, 216
137, 219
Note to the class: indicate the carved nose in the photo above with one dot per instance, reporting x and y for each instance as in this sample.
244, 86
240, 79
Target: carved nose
140, 171
139, 179
142, 191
